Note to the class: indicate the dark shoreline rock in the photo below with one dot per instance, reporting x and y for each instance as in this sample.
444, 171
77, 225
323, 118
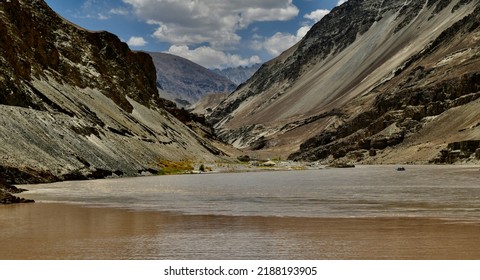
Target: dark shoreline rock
13, 175
6, 192
7, 198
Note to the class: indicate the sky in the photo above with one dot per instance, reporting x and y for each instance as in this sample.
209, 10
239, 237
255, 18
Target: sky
212, 33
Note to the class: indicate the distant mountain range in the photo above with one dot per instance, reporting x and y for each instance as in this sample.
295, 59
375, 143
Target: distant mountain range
186, 82
240, 74
374, 82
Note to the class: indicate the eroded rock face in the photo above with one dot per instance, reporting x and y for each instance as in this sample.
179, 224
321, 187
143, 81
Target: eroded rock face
76, 104
370, 77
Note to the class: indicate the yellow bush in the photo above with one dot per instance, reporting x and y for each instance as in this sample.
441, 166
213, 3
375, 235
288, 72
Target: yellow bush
168, 167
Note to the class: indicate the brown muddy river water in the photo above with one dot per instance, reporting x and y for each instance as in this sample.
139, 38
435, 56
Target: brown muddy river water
369, 212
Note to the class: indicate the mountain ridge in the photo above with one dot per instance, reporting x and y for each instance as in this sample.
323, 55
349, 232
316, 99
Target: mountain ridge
331, 76
76, 104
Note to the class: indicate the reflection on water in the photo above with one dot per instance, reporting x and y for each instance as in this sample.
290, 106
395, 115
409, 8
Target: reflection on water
362, 213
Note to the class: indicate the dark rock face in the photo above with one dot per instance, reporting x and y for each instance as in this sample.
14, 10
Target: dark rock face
13, 175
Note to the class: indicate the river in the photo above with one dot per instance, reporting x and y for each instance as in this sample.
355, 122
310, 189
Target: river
368, 212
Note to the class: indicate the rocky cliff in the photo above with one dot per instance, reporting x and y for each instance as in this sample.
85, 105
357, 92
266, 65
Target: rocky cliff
373, 81
77, 104
185, 82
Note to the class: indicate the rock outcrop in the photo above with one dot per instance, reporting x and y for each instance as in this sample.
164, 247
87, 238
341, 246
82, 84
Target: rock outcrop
7, 191
373, 81
7, 198
459, 151
77, 104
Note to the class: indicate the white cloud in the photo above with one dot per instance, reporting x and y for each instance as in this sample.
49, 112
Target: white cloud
280, 42
137, 42
119, 11
340, 2
187, 35
211, 58
302, 32
317, 15
101, 16
89, 4
208, 21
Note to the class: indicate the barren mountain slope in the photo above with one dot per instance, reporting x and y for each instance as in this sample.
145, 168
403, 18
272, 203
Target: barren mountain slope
77, 104
333, 74
206, 104
428, 112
